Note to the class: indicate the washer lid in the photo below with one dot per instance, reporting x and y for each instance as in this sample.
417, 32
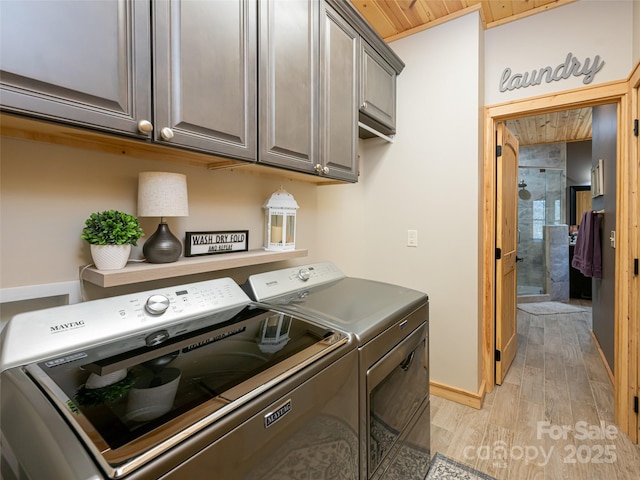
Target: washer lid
362, 307
132, 406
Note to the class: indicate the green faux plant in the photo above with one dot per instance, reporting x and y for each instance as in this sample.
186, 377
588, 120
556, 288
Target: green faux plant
93, 397
112, 227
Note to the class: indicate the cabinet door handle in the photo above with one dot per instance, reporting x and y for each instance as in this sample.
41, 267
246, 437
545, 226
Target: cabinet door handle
166, 133
364, 106
407, 361
145, 126
320, 169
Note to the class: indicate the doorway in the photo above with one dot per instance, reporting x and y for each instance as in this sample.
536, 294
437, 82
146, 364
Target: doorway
615, 93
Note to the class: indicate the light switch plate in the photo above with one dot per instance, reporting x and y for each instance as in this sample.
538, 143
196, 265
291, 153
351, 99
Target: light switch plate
412, 238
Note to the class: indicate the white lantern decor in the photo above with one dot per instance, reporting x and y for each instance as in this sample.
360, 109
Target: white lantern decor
280, 222
274, 334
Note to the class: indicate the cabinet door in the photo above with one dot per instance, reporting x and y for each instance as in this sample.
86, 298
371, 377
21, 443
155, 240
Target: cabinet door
378, 91
85, 63
339, 55
287, 76
205, 75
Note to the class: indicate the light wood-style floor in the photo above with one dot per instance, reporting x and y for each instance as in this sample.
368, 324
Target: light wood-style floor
552, 418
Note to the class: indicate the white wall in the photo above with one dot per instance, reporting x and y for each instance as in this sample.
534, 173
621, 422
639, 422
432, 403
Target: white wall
428, 180
585, 28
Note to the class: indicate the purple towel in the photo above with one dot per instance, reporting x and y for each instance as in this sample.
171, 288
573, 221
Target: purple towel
587, 256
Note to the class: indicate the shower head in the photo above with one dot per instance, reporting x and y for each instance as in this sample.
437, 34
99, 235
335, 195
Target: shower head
524, 194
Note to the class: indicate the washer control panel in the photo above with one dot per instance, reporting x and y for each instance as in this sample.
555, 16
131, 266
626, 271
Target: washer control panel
263, 286
131, 318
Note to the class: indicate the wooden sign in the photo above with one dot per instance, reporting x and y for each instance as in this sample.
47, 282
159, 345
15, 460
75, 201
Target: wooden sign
211, 243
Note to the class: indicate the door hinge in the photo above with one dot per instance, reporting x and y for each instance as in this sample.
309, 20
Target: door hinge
635, 404
635, 127
498, 150
498, 253
635, 266
497, 355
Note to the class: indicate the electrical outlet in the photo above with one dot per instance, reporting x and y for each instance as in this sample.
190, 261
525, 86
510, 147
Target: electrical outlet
412, 238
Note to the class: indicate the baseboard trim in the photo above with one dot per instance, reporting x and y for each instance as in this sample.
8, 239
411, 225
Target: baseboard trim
604, 359
458, 395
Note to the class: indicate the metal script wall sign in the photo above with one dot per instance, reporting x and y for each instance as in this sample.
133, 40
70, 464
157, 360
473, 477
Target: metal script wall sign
210, 243
570, 66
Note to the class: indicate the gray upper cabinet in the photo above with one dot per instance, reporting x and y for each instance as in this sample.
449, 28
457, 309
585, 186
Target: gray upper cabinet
377, 92
90, 63
308, 77
287, 77
339, 81
86, 63
205, 76
379, 68
279, 82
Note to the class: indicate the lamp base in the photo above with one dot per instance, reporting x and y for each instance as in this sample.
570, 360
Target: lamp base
162, 246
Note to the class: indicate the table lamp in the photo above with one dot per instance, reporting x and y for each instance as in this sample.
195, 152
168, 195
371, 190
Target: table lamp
162, 194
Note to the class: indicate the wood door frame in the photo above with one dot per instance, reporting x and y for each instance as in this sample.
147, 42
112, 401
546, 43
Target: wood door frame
612, 92
634, 300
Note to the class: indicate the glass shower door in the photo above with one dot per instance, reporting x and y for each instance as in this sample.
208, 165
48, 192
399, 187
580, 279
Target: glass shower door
540, 203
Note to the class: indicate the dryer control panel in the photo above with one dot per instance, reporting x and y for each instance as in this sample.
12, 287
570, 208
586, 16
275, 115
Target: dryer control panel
263, 286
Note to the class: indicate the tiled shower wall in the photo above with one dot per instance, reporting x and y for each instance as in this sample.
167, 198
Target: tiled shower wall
532, 275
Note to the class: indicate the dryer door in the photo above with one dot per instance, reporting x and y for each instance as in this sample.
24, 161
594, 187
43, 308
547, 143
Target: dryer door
397, 386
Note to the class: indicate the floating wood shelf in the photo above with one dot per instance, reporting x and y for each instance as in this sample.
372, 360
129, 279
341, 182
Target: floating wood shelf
145, 272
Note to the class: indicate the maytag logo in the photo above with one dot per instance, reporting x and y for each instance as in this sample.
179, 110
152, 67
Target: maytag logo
281, 411
64, 327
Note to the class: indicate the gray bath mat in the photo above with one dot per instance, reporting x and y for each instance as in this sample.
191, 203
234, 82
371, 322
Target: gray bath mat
549, 308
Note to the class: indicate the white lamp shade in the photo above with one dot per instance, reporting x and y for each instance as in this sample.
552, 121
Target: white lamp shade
162, 194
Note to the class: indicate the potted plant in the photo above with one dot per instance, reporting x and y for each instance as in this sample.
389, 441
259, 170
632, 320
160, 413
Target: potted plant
93, 394
111, 234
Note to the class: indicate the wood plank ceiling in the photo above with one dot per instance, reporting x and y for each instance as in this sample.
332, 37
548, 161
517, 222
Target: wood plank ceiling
566, 126
395, 19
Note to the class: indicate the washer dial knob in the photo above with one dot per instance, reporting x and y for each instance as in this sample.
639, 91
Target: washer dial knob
157, 304
304, 274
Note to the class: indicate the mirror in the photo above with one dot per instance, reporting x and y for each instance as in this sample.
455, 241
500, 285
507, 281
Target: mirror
579, 202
